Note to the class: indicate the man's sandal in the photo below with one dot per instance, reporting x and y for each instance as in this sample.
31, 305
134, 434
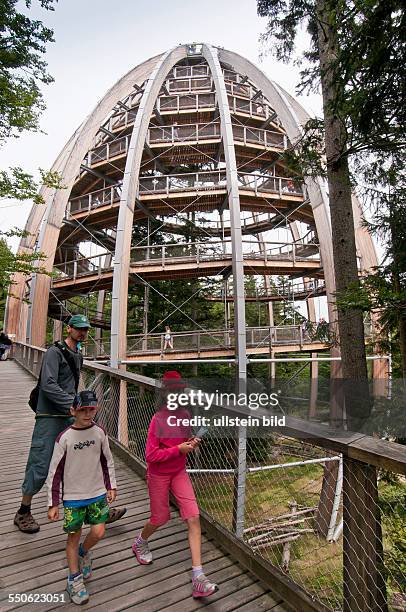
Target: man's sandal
26, 523
116, 514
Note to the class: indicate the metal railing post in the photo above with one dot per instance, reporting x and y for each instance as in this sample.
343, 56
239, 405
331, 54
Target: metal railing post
239, 485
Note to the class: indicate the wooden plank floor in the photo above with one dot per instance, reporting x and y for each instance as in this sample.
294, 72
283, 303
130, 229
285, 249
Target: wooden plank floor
36, 563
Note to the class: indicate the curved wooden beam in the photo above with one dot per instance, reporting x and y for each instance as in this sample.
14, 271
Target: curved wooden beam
17, 309
129, 194
56, 205
211, 56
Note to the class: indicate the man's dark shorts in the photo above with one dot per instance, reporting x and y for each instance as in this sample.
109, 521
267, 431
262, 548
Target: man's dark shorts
44, 435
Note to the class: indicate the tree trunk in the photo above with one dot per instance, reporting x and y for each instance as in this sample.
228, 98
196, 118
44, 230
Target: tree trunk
350, 321
364, 586
402, 343
397, 242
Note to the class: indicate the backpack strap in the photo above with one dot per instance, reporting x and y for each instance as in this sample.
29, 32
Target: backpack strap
70, 361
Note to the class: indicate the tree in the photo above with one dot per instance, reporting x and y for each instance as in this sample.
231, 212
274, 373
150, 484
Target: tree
355, 53
383, 292
322, 19
22, 42
22, 70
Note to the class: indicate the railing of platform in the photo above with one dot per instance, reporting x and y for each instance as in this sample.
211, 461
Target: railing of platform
184, 133
95, 199
286, 290
207, 340
249, 224
189, 84
209, 180
206, 131
108, 150
196, 101
165, 254
187, 71
304, 502
181, 102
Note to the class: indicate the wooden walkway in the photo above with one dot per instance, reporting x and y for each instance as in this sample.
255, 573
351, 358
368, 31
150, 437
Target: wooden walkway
36, 563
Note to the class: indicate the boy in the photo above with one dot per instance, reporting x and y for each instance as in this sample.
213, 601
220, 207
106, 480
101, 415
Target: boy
83, 464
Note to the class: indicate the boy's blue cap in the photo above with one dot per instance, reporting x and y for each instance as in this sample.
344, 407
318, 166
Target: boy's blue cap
79, 321
85, 399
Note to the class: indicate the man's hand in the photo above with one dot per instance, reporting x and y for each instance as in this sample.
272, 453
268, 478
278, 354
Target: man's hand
53, 513
186, 447
111, 495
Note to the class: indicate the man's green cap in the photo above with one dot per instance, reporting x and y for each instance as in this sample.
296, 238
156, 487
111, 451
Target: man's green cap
79, 321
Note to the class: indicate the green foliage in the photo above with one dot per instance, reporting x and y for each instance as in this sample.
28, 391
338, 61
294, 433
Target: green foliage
22, 71
10, 263
22, 43
20, 185
368, 96
392, 501
367, 71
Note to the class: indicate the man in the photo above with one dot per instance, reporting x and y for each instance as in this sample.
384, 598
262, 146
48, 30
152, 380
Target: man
60, 373
5, 345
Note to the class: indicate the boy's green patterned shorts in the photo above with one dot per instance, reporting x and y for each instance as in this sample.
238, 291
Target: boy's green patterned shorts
95, 513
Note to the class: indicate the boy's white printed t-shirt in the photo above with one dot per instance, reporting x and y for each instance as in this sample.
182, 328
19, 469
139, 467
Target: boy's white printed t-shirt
82, 464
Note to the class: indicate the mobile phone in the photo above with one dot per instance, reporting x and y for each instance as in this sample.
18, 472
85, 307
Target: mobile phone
201, 432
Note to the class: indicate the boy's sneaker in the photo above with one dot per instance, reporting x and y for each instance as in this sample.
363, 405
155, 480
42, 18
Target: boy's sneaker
77, 590
142, 552
85, 565
203, 587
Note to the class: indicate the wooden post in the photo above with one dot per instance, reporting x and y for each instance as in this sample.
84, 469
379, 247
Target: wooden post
123, 414
145, 319
57, 330
326, 502
286, 545
239, 484
314, 373
364, 584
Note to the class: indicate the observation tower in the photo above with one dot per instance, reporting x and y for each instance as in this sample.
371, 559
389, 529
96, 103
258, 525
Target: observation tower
177, 176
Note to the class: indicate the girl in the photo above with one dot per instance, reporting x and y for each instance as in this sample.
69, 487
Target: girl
168, 338
166, 451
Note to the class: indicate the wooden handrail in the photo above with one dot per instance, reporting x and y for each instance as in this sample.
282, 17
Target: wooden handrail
365, 449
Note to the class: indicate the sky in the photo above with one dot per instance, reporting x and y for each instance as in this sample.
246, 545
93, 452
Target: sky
98, 41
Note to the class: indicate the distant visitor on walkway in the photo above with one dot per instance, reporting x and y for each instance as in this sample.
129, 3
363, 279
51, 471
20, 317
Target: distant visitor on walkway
168, 338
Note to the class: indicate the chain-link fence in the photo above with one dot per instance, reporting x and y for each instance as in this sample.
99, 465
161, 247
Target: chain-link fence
329, 514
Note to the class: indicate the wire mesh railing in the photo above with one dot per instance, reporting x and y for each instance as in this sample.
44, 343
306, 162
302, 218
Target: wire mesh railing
209, 180
198, 340
325, 511
175, 253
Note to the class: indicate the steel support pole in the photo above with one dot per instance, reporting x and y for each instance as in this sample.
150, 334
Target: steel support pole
129, 194
211, 55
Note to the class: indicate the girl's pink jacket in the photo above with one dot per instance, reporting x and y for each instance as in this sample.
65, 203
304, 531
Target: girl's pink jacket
162, 453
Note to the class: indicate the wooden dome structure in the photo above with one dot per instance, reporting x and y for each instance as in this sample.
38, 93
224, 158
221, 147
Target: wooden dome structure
197, 129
